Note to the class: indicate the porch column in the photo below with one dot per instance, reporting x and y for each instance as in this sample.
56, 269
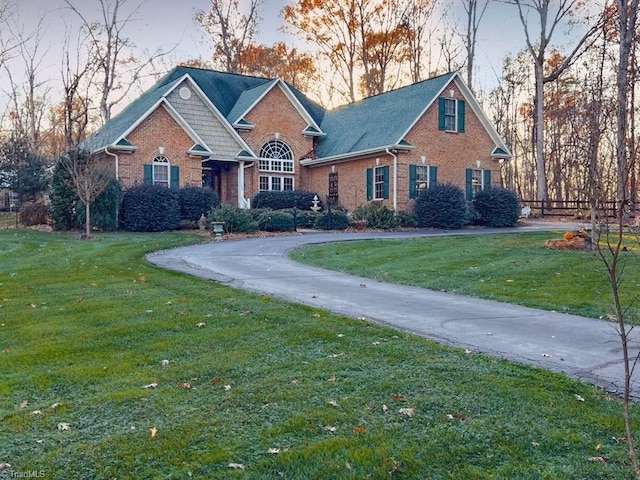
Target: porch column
242, 203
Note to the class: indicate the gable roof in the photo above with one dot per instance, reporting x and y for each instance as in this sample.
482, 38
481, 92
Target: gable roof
349, 128
229, 93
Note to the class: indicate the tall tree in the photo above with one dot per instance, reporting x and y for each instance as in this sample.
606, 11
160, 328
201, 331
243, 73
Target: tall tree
419, 30
364, 41
118, 70
474, 17
229, 31
21, 170
551, 15
28, 91
294, 67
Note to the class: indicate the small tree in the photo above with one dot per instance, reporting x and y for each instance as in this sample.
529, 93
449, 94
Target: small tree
88, 176
22, 171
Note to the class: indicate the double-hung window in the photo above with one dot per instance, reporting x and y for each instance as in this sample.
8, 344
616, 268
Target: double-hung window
476, 180
421, 177
451, 114
378, 182
161, 172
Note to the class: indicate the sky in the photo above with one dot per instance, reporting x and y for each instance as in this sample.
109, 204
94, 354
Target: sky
169, 24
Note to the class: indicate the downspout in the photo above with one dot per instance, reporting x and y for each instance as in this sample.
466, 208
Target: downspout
242, 203
115, 159
395, 179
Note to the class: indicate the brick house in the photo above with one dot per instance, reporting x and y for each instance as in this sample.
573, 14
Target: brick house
240, 135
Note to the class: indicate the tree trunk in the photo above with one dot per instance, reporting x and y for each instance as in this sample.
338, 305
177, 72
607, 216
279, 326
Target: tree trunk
87, 217
538, 132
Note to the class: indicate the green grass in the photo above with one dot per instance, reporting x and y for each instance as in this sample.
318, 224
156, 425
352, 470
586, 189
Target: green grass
86, 324
512, 268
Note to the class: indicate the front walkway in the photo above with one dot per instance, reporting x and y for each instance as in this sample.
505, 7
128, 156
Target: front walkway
580, 347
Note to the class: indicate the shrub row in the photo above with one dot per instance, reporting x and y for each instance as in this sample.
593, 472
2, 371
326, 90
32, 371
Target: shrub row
300, 199
445, 206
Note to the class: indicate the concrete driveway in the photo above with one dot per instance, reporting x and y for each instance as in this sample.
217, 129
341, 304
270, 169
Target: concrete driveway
583, 348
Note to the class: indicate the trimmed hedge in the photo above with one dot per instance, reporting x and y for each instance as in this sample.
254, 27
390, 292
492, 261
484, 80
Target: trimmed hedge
441, 206
300, 199
277, 221
62, 201
376, 216
150, 208
497, 207
197, 201
235, 219
338, 220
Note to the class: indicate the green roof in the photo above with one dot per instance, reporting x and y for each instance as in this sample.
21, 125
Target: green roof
379, 121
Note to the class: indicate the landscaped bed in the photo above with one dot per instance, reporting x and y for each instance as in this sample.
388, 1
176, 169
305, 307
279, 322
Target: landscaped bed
112, 368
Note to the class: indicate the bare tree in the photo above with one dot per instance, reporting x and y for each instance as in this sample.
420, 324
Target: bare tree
76, 74
118, 70
549, 20
89, 175
473, 22
230, 31
420, 29
28, 94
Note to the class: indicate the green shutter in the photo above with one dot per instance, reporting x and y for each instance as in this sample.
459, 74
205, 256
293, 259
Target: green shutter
486, 179
461, 115
468, 187
369, 183
385, 184
147, 173
433, 176
175, 177
412, 181
441, 102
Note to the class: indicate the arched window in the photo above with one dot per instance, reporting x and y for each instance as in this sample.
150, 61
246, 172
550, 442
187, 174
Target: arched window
160, 167
276, 156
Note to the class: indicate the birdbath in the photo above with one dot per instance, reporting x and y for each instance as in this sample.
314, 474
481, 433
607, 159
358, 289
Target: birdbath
218, 229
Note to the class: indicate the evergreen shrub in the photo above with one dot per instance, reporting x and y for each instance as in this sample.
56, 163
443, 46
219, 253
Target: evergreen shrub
197, 201
497, 207
337, 220
105, 208
441, 206
150, 208
235, 219
300, 199
376, 216
276, 221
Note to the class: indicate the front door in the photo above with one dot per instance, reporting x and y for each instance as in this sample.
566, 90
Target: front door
211, 176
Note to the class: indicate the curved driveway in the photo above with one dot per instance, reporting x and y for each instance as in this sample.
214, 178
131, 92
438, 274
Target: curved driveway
580, 347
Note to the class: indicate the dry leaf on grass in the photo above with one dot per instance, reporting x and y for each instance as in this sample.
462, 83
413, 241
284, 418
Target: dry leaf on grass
237, 466
153, 431
330, 428
333, 403
150, 385
185, 385
359, 429
599, 459
63, 426
200, 324
273, 451
23, 404
408, 412
579, 398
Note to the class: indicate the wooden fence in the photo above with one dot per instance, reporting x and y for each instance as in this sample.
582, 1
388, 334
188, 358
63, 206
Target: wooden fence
578, 209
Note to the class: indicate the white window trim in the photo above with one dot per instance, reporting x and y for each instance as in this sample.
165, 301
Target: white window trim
161, 161
427, 181
284, 162
375, 183
281, 177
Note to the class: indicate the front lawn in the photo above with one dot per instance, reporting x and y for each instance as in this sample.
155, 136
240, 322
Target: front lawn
513, 268
257, 388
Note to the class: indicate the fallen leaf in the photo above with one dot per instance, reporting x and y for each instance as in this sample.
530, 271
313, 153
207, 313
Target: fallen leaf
227, 388
36, 412
332, 378
467, 351
397, 397
579, 398
385, 409
200, 324
333, 403
460, 416
4, 465
409, 412
153, 431
23, 404
546, 355
396, 466
274, 451
598, 447
535, 444
330, 428
375, 343
63, 426
185, 385
359, 429
164, 363
54, 406
238, 466
362, 285
150, 385
599, 459
215, 381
